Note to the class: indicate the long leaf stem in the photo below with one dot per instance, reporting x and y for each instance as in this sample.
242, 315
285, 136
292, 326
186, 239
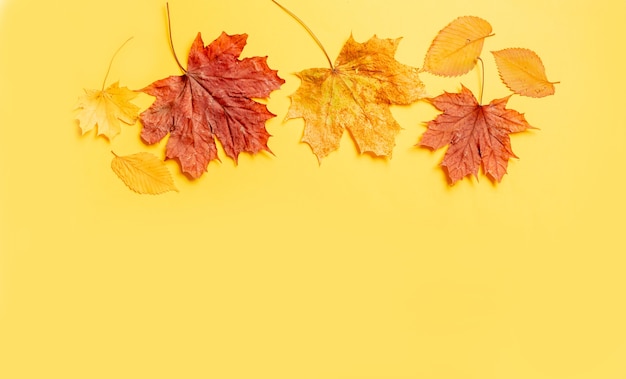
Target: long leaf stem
106, 76
482, 86
169, 29
330, 62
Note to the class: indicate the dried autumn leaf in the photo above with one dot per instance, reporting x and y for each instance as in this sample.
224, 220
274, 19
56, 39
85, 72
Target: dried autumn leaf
355, 95
143, 173
476, 134
213, 99
456, 48
107, 108
523, 72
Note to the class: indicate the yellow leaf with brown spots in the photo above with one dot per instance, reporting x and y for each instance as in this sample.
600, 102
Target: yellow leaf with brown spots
355, 95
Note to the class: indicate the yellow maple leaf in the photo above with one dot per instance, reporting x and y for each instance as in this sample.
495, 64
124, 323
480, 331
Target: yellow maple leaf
523, 72
456, 48
106, 108
143, 173
355, 94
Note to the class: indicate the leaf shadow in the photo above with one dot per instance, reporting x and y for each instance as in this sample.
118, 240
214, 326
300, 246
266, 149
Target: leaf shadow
93, 133
442, 171
374, 157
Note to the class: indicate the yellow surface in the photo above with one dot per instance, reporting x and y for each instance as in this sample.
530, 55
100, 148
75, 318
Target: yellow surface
280, 268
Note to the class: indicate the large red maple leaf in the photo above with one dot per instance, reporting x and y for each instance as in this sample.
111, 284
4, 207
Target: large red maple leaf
476, 134
213, 99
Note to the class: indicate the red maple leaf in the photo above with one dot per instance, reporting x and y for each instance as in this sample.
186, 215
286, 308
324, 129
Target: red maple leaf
476, 134
213, 99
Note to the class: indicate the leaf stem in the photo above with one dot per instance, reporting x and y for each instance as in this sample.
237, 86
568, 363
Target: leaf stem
308, 31
482, 86
106, 76
169, 29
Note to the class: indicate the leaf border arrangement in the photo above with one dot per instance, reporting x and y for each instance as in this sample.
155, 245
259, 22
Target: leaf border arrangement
215, 96
478, 135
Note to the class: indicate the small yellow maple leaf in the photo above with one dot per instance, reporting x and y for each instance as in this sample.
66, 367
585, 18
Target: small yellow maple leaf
355, 94
107, 108
143, 173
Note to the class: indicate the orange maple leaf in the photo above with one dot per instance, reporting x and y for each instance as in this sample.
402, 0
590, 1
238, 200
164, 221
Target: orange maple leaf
355, 94
476, 134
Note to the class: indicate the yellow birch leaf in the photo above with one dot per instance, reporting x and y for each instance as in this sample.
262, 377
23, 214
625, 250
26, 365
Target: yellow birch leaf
523, 72
106, 108
143, 173
456, 48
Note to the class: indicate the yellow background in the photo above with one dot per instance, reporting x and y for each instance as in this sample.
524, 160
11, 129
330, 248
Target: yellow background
281, 268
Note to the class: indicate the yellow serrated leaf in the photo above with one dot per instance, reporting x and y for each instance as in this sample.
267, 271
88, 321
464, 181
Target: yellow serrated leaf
456, 48
106, 108
143, 173
523, 72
